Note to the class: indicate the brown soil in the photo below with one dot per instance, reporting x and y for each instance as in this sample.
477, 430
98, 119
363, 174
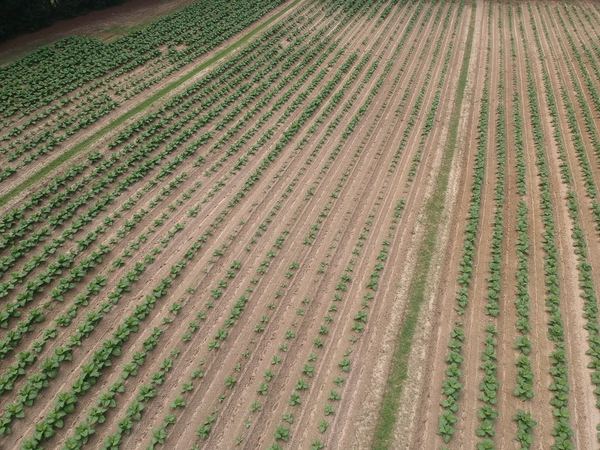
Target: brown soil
106, 24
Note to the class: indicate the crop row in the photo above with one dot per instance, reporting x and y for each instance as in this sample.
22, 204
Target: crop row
489, 385
562, 430
524, 376
586, 283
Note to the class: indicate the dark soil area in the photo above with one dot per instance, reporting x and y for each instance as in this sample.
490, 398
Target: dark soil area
106, 24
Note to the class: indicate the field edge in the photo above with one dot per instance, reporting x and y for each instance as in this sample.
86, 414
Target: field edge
433, 213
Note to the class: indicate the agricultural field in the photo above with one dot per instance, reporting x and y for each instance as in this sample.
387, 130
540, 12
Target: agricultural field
305, 224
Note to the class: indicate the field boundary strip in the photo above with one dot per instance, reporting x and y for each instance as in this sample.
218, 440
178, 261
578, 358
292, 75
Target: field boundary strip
432, 216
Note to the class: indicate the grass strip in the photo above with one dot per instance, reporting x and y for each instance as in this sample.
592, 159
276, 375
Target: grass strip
53, 165
416, 292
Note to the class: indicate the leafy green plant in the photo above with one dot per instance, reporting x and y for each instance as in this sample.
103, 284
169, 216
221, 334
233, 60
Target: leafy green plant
282, 433
322, 426
295, 399
230, 382
255, 406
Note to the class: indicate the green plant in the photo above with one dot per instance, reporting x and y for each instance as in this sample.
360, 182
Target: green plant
282, 433
295, 399
322, 426
178, 403
230, 382
255, 406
